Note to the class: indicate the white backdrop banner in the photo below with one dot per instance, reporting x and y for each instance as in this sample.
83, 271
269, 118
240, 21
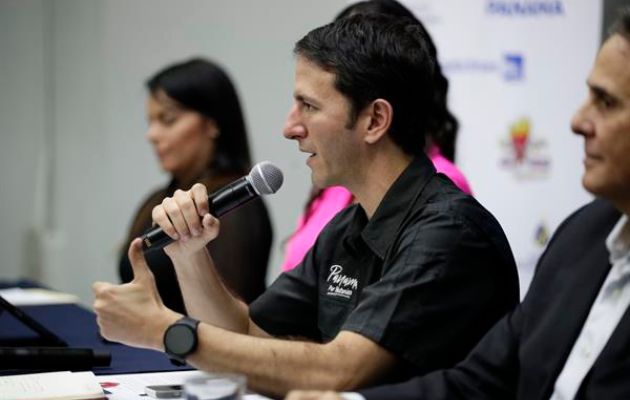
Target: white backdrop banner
517, 72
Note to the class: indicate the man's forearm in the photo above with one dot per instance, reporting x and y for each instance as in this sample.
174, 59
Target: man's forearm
205, 295
275, 366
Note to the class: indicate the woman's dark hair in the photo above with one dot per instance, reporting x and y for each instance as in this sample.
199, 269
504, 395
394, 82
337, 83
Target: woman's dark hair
204, 87
443, 125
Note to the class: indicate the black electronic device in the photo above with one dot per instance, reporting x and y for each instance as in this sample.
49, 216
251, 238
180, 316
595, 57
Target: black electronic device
45, 350
164, 391
53, 358
44, 336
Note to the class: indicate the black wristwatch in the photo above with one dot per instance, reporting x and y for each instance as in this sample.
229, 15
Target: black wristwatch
180, 339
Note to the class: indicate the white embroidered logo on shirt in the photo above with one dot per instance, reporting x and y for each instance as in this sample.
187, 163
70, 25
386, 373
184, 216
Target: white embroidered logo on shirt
340, 285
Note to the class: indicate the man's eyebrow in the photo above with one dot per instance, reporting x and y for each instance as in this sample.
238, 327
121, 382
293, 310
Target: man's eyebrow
600, 91
304, 98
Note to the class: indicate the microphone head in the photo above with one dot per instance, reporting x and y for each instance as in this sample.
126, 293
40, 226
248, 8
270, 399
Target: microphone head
265, 177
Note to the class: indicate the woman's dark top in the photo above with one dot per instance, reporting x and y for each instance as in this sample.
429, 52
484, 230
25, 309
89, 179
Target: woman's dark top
240, 252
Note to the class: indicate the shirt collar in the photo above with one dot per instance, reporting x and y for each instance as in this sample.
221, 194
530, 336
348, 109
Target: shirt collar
382, 228
618, 241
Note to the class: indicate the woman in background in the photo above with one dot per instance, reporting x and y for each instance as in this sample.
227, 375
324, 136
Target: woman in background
197, 129
324, 204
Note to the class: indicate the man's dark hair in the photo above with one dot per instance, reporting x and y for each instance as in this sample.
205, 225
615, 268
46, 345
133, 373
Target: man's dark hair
202, 86
622, 23
379, 56
443, 125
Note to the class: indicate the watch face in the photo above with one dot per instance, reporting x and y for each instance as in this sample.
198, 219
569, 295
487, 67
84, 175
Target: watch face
179, 339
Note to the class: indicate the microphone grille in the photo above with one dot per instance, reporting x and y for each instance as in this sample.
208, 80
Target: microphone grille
266, 178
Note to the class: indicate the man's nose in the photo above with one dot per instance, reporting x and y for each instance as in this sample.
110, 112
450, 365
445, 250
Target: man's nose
581, 124
293, 128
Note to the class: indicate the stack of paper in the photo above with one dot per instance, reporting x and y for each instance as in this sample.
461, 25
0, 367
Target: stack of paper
64, 385
36, 296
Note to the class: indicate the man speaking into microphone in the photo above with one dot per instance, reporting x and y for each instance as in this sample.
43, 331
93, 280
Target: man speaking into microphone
402, 282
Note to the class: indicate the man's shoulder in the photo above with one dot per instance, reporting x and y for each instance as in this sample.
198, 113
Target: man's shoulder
593, 219
443, 198
581, 236
597, 209
576, 256
339, 224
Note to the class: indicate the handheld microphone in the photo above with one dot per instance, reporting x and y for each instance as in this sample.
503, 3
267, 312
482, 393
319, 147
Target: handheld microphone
264, 178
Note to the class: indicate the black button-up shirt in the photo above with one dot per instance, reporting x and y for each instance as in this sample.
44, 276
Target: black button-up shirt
425, 277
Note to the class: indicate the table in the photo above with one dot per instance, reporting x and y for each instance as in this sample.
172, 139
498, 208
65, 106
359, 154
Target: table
77, 326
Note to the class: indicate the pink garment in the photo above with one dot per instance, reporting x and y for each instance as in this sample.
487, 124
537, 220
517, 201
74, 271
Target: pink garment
336, 198
330, 201
446, 166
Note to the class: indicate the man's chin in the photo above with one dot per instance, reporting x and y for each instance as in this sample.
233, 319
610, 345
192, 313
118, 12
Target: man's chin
593, 185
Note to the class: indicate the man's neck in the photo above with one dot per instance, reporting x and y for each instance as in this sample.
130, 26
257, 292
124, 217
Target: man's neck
380, 174
621, 203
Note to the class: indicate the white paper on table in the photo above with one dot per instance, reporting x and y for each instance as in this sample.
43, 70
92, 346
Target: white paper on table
50, 385
131, 386
36, 296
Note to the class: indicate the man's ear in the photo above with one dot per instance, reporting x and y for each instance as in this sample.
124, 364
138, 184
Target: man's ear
380, 114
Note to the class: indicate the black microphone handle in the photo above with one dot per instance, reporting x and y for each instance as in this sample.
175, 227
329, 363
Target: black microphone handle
53, 358
221, 202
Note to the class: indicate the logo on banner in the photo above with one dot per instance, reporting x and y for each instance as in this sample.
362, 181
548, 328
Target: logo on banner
541, 234
511, 67
523, 153
514, 67
525, 8
339, 284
